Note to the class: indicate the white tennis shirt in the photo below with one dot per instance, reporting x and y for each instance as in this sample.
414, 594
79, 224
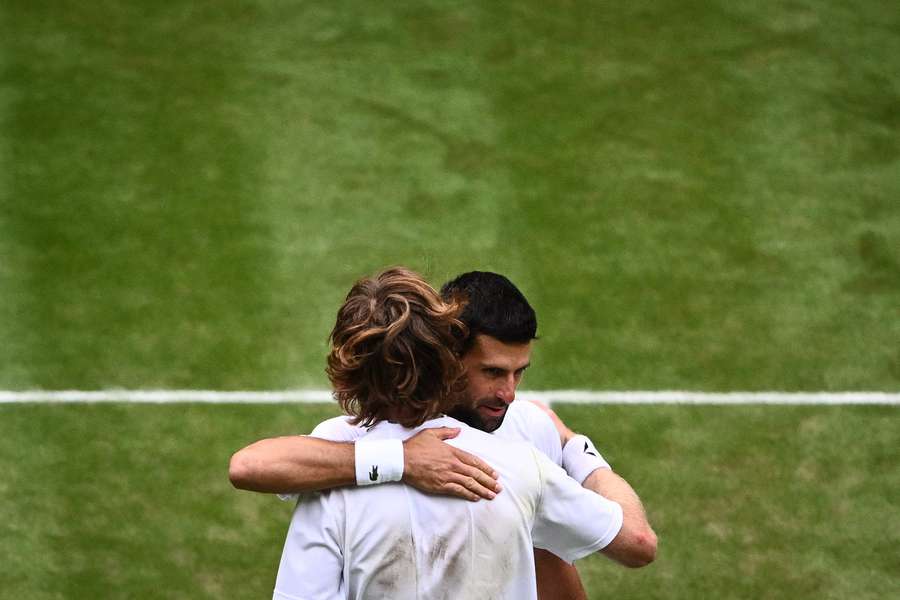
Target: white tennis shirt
524, 422
392, 541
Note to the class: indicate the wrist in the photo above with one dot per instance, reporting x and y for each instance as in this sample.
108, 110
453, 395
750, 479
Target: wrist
581, 458
378, 461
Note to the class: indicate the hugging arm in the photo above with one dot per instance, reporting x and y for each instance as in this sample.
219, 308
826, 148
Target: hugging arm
288, 465
636, 543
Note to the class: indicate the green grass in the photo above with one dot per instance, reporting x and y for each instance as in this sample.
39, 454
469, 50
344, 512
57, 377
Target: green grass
693, 195
134, 501
755, 502
749, 502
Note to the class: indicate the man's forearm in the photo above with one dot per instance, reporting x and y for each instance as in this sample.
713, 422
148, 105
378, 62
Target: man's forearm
635, 545
610, 485
288, 465
293, 464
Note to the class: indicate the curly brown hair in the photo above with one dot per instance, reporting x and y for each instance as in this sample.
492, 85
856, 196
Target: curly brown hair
393, 350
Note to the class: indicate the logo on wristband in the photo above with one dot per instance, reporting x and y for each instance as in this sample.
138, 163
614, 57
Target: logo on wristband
373, 474
586, 451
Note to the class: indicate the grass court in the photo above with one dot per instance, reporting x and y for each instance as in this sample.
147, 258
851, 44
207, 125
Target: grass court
693, 196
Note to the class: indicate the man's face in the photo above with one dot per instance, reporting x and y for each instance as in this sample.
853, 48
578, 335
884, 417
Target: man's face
493, 372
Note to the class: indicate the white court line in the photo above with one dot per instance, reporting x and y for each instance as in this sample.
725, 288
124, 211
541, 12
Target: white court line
549, 397
675, 397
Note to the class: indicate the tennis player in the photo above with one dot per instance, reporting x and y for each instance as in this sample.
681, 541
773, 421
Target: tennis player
394, 372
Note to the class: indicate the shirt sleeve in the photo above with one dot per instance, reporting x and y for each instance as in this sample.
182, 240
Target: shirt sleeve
572, 521
337, 429
541, 432
312, 561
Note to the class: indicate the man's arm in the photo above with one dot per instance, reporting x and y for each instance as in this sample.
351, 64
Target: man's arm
303, 463
287, 465
556, 579
636, 543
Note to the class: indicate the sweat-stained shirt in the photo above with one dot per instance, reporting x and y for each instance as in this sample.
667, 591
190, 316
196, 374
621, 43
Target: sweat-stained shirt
392, 541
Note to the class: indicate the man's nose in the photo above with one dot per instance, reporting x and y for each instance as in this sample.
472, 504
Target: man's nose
507, 389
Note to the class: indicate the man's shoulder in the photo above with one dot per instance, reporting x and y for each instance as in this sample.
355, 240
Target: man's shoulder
476, 435
479, 442
528, 410
338, 429
527, 422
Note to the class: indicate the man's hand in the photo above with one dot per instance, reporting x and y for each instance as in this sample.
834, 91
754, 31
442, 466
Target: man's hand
565, 434
434, 467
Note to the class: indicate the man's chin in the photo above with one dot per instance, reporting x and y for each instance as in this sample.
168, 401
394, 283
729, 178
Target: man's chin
473, 418
493, 424
493, 421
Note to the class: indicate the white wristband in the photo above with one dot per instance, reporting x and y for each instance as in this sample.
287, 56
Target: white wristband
378, 461
580, 458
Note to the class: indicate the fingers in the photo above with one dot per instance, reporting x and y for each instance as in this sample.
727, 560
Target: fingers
455, 489
474, 461
457, 483
471, 478
438, 468
468, 486
478, 483
480, 477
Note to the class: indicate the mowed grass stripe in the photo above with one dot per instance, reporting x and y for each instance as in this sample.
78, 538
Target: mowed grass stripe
142, 256
732, 492
688, 199
627, 174
375, 127
13, 335
547, 396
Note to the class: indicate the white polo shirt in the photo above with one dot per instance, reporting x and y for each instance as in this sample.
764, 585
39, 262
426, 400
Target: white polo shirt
523, 422
392, 541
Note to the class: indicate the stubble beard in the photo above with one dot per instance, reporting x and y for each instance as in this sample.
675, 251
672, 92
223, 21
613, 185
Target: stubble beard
467, 413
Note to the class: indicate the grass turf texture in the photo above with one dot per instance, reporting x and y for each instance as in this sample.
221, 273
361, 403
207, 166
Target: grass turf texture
693, 195
697, 196
749, 502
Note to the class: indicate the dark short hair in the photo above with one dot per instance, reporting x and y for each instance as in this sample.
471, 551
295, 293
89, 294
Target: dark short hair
394, 350
492, 306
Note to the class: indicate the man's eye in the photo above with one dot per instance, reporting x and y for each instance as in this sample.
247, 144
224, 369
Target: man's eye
494, 372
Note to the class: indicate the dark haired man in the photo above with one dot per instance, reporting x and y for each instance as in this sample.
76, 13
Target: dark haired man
496, 354
497, 348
